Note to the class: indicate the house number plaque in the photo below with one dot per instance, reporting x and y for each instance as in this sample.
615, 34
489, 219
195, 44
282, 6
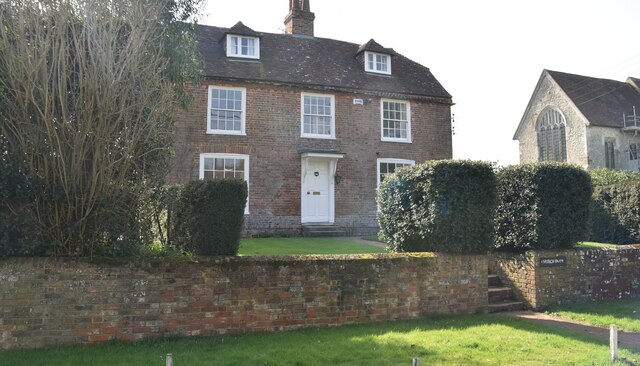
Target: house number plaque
553, 262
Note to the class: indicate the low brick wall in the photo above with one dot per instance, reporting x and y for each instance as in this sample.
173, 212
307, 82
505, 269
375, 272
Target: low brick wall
45, 301
543, 278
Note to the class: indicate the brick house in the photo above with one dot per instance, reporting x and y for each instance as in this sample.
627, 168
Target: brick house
312, 124
582, 120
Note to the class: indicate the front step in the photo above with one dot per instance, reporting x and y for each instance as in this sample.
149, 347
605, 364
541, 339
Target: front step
501, 297
323, 230
500, 294
507, 305
494, 281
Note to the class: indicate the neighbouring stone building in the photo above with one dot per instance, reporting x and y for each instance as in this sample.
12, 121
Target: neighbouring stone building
312, 124
582, 120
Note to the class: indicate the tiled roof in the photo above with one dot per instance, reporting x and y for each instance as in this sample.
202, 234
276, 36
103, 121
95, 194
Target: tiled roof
601, 101
242, 30
374, 46
316, 63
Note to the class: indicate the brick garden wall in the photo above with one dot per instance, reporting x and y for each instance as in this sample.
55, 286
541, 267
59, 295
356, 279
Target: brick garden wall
48, 301
589, 274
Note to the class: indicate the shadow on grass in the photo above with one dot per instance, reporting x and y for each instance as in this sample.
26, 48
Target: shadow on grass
624, 313
442, 340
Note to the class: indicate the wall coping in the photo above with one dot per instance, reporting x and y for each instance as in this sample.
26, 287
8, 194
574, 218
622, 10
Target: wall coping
108, 261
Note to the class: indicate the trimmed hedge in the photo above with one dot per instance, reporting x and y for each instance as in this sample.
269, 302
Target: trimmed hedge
604, 177
208, 216
18, 233
441, 206
615, 213
542, 206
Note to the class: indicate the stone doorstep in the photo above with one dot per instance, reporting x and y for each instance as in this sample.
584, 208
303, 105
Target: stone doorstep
323, 230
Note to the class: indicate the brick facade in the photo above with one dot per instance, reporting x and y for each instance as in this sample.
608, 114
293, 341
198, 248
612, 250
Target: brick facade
589, 274
49, 301
273, 144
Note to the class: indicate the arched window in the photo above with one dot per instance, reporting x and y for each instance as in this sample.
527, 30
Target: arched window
552, 139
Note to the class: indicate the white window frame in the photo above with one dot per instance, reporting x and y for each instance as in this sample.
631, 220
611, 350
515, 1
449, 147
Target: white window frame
242, 131
375, 69
332, 128
231, 51
228, 156
390, 160
395, 139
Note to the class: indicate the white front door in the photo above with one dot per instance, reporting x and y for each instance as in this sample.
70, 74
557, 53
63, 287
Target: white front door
316, 191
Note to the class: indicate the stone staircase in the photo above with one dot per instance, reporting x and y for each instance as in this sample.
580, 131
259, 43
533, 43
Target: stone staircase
323, 230
501, 298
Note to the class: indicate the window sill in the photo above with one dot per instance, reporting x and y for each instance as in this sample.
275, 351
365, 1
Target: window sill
320, 137
377, 73
404, 141
228, 133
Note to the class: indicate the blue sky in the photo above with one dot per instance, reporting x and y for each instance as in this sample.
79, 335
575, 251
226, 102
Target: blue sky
487, 54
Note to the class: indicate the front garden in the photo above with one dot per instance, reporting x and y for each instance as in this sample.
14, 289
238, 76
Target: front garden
302, 246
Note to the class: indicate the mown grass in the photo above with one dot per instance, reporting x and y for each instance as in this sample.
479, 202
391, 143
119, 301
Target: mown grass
591, 244
624, 313
452, 340
302, 246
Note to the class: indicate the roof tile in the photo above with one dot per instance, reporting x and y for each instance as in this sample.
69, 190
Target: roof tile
602, 101
314, 62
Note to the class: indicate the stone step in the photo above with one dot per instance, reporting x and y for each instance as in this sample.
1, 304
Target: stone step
508, 305
323, 230
500, 294
494, 281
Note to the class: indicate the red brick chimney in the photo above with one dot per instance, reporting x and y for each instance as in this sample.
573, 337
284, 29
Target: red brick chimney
300, 18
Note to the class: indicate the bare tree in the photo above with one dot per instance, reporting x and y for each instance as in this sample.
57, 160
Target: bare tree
88, 90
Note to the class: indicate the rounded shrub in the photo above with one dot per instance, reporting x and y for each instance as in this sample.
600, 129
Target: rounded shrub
441, 206
542, 206
209, 215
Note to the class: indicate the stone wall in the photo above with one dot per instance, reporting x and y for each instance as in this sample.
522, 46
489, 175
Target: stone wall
549, 95
596, 137
587, 274
47, 301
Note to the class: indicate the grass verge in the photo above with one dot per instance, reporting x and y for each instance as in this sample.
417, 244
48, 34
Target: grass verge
302, 246
451, 340
624, 313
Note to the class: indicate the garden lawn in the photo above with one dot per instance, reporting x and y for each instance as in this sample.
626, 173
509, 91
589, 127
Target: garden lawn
624, 313
459, 340
301, 246
591, 244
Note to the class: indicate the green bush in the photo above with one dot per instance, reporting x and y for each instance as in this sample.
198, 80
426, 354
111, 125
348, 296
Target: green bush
542, 206
442, 206
18, 234
604, 177
208, 216
615, 213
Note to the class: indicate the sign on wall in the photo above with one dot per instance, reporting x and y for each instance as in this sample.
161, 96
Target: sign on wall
553, 262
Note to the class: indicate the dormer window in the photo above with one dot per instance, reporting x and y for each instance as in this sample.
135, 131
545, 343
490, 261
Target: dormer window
243, 46
377, 62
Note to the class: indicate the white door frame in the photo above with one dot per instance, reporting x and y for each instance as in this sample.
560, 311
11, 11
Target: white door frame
333, 163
